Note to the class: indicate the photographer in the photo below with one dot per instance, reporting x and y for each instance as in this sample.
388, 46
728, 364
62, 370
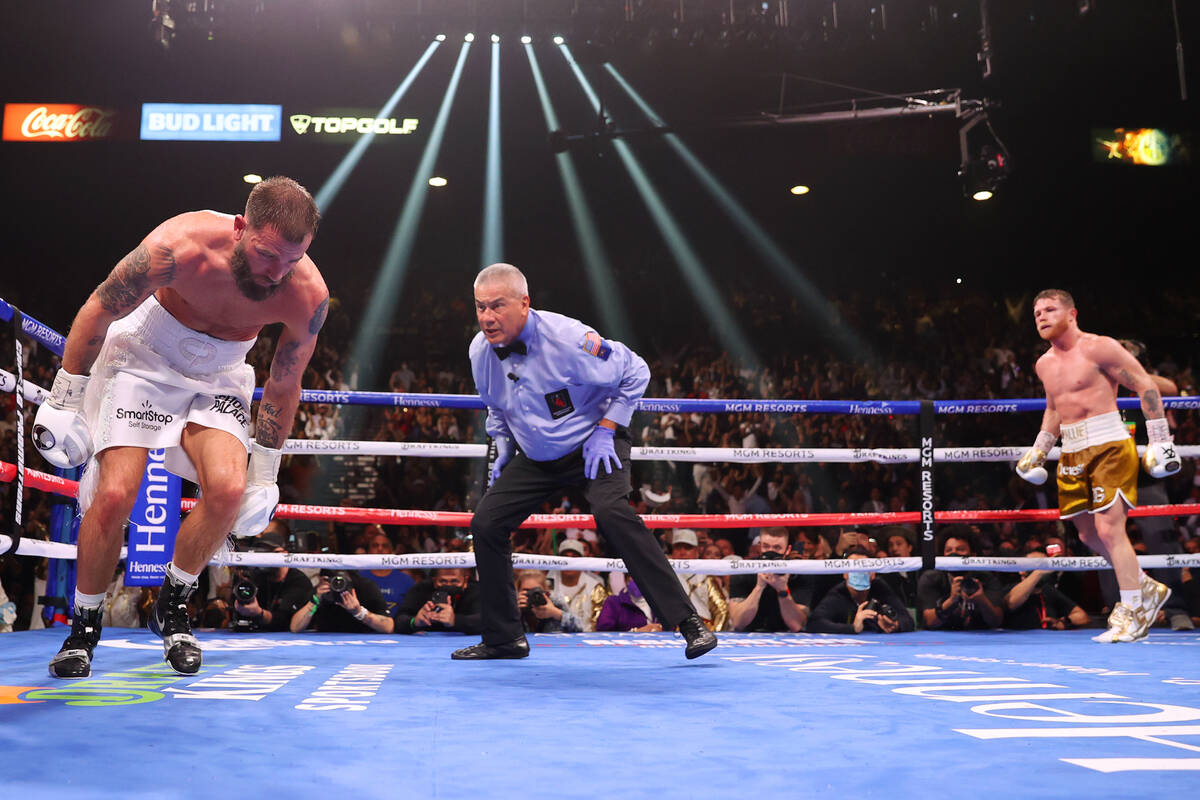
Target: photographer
968, 601
344, 602
1034, 602
266, 598
860, 603
449, 601
770, 601
541, 612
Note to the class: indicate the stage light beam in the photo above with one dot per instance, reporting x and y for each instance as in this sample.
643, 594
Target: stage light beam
690, 264
846, 340
333, 184
492, 247
596, 265
370, 338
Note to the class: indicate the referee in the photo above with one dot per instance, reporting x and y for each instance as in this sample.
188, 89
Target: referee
559, 401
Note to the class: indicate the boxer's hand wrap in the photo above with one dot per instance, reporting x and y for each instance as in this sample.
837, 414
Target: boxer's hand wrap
1160, 459
60, 432
1030, 466
504, 454
262, 492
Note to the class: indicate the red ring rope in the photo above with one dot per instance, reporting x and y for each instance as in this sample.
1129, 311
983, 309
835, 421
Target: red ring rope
462, 519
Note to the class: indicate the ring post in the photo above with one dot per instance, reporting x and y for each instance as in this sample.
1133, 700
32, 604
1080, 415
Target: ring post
928, 542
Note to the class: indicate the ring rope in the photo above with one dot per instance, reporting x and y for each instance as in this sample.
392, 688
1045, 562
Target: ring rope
462, 519
827, 566
727, 406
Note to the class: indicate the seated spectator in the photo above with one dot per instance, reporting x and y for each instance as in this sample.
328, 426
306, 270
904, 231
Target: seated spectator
1034, 602
627, 611
770, 601
704, 591
266, 598
860, 602
959, 601
541, 611
449, 601
359, 608
898, 541
393, 583
583, 593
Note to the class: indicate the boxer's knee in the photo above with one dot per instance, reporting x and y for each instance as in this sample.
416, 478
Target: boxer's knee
222, 497
112, 504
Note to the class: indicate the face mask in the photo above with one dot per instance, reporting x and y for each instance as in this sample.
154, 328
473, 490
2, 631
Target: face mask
859, 580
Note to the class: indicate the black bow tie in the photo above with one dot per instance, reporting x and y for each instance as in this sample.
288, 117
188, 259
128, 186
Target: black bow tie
516, 347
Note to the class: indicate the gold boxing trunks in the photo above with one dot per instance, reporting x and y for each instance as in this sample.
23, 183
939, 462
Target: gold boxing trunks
1098, 465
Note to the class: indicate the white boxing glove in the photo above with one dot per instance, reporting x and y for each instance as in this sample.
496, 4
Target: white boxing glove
1161, 458
60, 432
262, 491
1030, 466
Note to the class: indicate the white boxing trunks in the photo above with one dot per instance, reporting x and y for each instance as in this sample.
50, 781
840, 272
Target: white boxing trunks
154, 375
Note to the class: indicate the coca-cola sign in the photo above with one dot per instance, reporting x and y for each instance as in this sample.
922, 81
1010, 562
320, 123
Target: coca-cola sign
57, 122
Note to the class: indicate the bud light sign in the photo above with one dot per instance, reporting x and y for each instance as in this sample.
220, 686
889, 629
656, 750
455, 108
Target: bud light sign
153, 524
211, 122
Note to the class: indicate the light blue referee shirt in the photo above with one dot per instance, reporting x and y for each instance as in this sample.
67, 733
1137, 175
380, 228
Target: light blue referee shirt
569, 379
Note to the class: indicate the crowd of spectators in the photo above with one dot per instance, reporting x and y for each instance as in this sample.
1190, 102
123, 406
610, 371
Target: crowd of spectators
956, 344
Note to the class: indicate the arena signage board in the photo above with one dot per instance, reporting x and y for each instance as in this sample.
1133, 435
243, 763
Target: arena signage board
343, 123
153, 523
211, 122
58, 122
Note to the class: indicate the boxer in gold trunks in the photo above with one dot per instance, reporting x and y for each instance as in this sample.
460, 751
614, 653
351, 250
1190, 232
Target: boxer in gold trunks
1097, 472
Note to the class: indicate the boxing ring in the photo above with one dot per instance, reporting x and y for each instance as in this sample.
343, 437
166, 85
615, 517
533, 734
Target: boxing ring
1032, 714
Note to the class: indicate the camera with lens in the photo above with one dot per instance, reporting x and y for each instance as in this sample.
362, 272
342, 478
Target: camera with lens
770, 555
535, 597
969, 585
883, 610
339, 581
244, 591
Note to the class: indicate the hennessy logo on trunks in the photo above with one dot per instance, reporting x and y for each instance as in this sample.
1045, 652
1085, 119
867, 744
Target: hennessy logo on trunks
228, 404
560, 403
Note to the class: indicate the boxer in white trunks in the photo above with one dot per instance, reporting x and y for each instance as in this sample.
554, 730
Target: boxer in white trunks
164, 339
1097, 472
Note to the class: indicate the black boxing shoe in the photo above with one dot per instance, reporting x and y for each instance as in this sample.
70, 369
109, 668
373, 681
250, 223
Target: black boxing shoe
169, 619
517, 648
74, 658
699, 638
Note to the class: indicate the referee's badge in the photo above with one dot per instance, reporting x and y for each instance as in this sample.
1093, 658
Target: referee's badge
593, 345
559, 403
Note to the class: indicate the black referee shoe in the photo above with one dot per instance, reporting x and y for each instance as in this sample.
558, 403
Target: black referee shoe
517, 648
699, 638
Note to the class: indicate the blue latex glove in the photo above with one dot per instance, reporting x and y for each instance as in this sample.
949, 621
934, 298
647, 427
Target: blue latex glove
599, 449
504, 454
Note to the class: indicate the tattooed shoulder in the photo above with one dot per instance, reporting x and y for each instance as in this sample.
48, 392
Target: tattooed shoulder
127, 284
318, 317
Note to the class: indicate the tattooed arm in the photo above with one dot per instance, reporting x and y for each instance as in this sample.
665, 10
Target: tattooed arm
152, 264
1123, 368
281, 394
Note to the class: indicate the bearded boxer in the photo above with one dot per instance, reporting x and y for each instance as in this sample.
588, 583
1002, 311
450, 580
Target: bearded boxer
156, 358
1097, 472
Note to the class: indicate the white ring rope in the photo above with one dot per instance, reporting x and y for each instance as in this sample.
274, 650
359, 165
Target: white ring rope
740, 455
702, 566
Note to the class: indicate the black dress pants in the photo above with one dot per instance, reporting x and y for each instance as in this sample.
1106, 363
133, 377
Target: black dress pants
520, 490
